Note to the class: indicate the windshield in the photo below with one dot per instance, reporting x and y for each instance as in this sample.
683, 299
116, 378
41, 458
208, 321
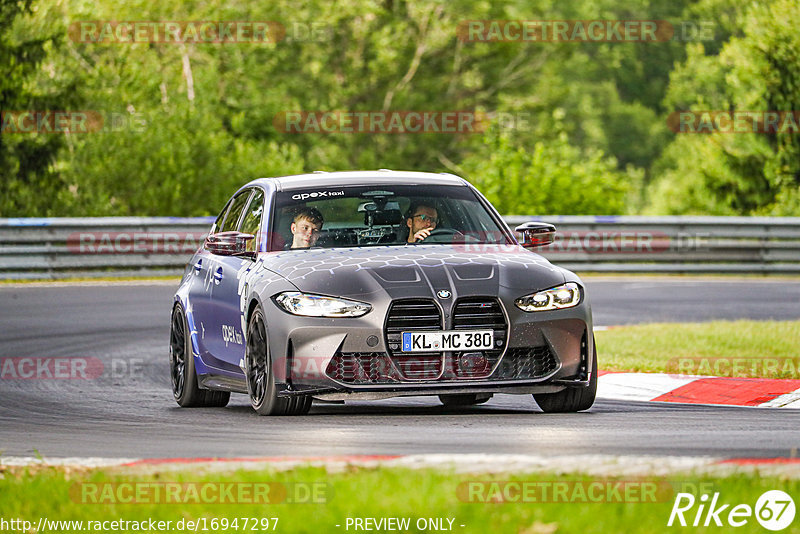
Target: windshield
360, 216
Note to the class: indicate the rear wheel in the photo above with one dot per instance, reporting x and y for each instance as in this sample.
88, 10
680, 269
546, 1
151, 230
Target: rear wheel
571, 399
464, 399
260, 378
181, 368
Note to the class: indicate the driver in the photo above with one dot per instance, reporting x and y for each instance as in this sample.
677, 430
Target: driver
306, 227
421, 220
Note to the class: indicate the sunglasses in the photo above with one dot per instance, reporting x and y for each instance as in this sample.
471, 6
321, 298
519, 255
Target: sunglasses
423, 218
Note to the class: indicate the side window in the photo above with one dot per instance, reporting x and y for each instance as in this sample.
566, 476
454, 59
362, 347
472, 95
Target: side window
220, 218
237, 205
251, 224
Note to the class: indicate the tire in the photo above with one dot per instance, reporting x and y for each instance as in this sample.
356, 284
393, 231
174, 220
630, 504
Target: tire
571, 399
260, 378
464, 399
181, 369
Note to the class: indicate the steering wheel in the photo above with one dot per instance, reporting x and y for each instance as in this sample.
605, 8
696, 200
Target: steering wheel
444, 235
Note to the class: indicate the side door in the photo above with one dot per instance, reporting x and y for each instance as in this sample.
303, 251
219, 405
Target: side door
216, 310
228, 293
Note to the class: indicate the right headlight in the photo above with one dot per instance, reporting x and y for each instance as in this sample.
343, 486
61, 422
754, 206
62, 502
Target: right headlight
308, 305
564, 296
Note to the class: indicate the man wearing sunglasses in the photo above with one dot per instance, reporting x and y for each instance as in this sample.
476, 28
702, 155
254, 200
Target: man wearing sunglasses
421, 220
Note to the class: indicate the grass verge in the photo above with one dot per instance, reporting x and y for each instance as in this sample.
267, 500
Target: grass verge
766, 349
312, 500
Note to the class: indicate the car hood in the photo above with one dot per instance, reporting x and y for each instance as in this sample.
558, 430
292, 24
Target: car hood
403, 271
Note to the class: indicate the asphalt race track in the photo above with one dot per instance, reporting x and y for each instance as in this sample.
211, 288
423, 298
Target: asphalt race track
131, 413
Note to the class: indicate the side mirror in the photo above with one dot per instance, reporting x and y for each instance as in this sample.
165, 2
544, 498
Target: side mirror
535, 234
229, 244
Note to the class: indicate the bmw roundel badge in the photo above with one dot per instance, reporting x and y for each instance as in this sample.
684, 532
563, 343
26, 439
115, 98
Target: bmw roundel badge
443, 294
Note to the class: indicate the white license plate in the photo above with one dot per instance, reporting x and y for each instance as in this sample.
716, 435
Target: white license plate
448, 340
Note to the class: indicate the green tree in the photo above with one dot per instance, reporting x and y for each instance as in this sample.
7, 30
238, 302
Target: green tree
725, 173
29, 180
208, 109
552, 177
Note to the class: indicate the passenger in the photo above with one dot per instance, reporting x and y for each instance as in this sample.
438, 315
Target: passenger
421, 220
306, 227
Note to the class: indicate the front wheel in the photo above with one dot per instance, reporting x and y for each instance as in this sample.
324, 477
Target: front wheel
571, 399
260, 378
181, 368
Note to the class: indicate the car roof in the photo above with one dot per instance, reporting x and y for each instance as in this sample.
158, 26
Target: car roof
382, 176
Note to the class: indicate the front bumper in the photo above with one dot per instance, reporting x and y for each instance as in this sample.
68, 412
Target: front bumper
544, 353
520, 387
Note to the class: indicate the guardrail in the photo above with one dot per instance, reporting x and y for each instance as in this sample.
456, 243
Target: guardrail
131, 246
766, 245
98, 247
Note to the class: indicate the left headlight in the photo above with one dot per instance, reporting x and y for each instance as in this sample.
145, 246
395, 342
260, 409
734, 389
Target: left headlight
307, 305
556, 298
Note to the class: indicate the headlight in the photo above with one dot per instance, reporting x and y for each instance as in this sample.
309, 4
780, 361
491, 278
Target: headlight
298, 303
564, 296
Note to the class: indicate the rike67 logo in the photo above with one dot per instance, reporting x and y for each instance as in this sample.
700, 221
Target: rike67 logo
774, 510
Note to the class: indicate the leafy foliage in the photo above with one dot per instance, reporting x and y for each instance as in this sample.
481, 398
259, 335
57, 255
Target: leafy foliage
551, 177
736, 173
26, 161
185, 124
